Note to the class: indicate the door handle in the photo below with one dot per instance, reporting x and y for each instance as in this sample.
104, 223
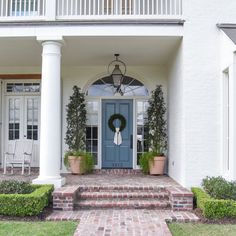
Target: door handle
131, 141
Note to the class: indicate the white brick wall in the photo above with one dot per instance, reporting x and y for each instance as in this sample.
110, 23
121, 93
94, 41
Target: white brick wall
176, 117
194, 82
200, 93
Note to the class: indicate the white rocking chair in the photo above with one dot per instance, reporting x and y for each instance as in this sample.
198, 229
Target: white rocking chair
20, 157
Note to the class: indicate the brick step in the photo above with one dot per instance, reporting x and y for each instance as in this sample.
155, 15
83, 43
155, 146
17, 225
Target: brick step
123, 203
123, 195
126, 188
121, 172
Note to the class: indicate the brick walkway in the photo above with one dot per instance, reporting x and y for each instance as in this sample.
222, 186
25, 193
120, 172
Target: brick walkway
123, 222
119, 222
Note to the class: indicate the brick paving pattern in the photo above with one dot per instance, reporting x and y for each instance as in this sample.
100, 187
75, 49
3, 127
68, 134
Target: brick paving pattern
109, 179
114, 222
104, 193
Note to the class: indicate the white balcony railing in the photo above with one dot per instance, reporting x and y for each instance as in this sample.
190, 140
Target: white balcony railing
31, 10
22, 9
79, 9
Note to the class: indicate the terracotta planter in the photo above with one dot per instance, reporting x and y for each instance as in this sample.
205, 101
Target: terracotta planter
156, 167
75, 165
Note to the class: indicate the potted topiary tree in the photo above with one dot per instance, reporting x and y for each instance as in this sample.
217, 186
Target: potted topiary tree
154, 160
77, 159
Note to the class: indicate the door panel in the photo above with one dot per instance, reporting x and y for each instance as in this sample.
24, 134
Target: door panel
31, 124
13, 126
117, 156
22, 122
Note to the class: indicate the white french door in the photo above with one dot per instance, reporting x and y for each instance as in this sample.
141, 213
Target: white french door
22, 122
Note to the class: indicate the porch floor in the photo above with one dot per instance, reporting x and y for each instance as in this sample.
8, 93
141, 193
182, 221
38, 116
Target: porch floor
99, 178
139, 180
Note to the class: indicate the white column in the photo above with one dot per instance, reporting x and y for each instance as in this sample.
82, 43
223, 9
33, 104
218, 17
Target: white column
50, 131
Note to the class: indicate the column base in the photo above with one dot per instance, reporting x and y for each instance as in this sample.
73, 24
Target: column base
56, 181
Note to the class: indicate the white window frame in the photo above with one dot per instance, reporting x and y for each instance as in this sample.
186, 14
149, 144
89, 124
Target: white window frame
90, 99
226, 123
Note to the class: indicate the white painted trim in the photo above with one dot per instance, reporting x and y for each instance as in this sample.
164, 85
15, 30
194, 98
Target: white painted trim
134, 134
100, 135
163, 18
22, 18
1, 124
232, 86
105, 74
225, 124
232, 123
57, 182
5, 82
98, 166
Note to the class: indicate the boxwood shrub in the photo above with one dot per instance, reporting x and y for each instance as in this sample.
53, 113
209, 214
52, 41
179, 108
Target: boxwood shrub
219, 188
26, 204
214, 208
13, 186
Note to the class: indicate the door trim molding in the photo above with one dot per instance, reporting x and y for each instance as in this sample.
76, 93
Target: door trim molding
20, 76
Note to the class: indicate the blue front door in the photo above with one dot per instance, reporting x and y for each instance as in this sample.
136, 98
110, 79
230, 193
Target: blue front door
117, 156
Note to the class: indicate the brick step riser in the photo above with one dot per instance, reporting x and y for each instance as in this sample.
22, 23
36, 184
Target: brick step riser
122, 196
180, 199
122, 188
121, 206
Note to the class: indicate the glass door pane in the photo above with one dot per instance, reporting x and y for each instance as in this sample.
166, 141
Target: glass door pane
14, 110
142, 131
32, 118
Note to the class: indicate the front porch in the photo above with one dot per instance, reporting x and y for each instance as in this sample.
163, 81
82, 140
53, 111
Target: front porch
43, 111
116, 189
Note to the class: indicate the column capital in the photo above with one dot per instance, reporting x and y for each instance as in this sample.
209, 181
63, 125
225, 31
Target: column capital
51, 48
51, 38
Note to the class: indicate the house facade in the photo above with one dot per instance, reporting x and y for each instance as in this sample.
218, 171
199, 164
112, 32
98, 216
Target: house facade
187, 46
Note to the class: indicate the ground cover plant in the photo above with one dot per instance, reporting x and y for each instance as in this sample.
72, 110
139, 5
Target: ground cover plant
196, 229
12, 228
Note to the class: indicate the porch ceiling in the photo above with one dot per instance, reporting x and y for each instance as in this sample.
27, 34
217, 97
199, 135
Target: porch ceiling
86, 51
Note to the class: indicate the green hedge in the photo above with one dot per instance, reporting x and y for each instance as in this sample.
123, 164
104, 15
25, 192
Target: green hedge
214, 208
26, 204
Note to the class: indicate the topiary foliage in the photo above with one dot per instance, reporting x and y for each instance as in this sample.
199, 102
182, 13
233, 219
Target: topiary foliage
157, 123
76, 121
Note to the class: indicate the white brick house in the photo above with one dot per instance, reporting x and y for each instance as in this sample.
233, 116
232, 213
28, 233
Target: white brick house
185, 45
